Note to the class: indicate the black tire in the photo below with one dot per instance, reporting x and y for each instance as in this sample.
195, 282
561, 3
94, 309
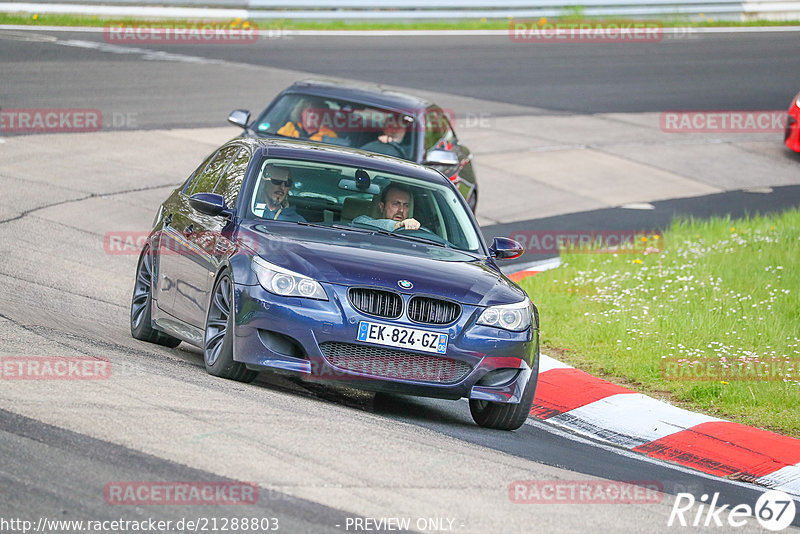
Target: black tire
142, 302
218, 334
502, 415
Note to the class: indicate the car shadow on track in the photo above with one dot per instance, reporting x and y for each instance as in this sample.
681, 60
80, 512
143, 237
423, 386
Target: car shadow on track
410, 409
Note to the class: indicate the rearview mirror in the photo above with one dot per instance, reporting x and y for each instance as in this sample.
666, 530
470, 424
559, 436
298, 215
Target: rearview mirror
239, 117
504, 248
351, 185
441, 157
209, 204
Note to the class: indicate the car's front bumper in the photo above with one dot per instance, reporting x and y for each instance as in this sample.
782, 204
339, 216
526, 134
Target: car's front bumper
318, 340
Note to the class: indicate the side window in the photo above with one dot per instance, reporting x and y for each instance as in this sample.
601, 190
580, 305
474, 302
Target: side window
189, 184
438, 133
205, 182
231, 182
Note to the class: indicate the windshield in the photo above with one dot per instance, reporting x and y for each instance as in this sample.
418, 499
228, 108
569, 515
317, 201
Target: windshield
362, 200
339, 122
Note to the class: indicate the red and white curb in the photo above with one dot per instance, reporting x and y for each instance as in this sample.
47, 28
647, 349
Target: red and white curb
586, 405
577, 401
529, 269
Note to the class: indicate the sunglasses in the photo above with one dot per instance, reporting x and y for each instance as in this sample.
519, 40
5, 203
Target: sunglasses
287, 183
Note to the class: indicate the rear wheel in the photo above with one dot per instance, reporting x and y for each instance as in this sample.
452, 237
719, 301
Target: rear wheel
218, 339
501, 415
142, 302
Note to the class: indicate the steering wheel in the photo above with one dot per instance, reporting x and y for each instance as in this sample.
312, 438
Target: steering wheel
401, 153
392, 148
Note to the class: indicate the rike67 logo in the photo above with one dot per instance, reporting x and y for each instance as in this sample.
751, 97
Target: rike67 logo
774, 510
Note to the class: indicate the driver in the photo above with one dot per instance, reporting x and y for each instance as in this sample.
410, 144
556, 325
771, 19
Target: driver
305, 121
390, 141
394, 206
273, 200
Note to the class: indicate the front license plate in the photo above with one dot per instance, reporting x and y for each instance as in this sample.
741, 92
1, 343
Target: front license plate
400, 336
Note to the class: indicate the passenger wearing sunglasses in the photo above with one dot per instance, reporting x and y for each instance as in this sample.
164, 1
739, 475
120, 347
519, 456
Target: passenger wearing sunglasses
273, 198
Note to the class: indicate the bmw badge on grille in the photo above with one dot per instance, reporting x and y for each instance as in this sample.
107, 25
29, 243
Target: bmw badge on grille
405, 284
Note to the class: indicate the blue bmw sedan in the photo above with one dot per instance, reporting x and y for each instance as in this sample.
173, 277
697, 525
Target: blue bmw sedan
341, 266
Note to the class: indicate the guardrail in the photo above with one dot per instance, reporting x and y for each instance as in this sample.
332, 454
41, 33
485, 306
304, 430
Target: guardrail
433, 9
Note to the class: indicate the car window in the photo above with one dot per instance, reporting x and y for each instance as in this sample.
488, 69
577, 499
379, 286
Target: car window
207, 180
197, 172
231, 182
347, 197
341, 122
438, 132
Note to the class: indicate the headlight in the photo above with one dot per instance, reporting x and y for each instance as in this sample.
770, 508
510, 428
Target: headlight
285, 282
797, 101
516, 317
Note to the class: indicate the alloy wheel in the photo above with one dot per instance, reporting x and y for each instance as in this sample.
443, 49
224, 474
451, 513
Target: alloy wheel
142, 289
217, 324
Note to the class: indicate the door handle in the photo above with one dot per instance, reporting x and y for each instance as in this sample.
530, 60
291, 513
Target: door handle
189, 230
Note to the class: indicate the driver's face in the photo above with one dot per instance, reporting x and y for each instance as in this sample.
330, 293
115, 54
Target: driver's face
396, 133
396, 205
277, 191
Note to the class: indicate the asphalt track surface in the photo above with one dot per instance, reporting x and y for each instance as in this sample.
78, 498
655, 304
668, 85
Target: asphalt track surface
57, 461
695, 72
736, 204
679, 72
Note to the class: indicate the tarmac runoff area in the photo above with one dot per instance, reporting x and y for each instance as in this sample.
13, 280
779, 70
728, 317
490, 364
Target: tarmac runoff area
529, 166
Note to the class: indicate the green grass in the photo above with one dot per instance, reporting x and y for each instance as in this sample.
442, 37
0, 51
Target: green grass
35, 19
720, 292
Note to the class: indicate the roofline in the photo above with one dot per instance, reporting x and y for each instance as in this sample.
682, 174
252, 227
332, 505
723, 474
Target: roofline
322, 152
379, 95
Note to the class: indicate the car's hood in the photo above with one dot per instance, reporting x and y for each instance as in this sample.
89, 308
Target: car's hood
341, 260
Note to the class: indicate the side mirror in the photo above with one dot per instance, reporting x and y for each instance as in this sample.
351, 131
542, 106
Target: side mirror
209, 204
239, 117
441, 157
504, 248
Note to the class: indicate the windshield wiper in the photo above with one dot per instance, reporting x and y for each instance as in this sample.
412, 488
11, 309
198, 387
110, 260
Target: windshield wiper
336, 227
376, 231
416, 238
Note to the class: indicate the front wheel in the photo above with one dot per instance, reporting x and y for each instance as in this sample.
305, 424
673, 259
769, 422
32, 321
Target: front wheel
218, 339
501, 415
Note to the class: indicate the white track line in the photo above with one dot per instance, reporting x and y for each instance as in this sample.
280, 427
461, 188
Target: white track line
682, 31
